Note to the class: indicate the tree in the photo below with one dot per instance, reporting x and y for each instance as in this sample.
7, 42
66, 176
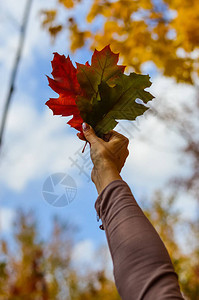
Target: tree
169, 223
15, 69
184, 121
165, 32
36, 269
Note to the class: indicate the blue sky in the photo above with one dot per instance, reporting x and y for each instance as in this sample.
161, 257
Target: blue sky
38, 144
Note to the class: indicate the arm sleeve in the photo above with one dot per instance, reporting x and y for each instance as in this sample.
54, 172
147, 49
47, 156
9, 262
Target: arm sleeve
142, 266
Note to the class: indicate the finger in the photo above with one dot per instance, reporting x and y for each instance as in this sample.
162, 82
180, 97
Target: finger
89, 133
117, 136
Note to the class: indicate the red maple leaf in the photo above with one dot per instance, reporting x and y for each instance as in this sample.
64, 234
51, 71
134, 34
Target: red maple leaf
97, 93
65, 83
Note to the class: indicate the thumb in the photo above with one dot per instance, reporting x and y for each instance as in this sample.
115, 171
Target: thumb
89, 133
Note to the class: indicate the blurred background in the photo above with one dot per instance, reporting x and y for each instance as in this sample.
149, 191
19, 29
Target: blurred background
50, 241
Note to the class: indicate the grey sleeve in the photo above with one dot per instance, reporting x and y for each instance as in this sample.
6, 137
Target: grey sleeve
142, 266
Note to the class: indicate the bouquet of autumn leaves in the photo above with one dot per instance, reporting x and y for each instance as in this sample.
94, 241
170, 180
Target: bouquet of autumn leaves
98, 94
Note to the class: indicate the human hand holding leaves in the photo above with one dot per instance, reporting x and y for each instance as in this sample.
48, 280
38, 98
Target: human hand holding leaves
98, 94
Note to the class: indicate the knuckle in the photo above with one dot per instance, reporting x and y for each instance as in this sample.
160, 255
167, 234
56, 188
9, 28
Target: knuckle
126, 140
122, 138
124, 143
88, 132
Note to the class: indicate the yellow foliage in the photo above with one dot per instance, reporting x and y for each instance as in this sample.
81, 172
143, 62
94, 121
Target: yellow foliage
77, 37
144, 30
67, 3
48, 17
44, 270
164, 217
187, 27
54, 30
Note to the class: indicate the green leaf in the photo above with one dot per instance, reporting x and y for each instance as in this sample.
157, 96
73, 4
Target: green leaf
103, 68
118, 102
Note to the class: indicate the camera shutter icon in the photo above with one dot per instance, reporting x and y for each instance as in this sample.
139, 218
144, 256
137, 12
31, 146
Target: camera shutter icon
59, 189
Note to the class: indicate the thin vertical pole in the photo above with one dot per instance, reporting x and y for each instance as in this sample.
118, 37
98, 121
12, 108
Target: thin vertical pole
15, 68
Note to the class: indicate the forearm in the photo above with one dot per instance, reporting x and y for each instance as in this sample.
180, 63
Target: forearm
142, 267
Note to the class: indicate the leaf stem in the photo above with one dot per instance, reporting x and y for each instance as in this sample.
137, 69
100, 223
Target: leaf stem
84, 147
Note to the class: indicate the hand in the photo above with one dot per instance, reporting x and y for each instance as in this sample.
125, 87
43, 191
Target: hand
108, 156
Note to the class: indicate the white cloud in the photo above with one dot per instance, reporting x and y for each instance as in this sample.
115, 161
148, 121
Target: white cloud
7, 217
86, 257
36, 144
175, 94
36, 39
83, 253
154, 149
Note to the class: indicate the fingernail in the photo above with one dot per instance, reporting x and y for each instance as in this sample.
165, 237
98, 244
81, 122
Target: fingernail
85, 126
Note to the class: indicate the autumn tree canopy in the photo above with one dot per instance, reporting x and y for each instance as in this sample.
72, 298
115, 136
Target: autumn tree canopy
32, 268
162, 31
169, 222
165, 33
35, 269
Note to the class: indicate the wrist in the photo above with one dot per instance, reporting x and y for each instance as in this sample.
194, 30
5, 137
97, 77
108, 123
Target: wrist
104, 174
